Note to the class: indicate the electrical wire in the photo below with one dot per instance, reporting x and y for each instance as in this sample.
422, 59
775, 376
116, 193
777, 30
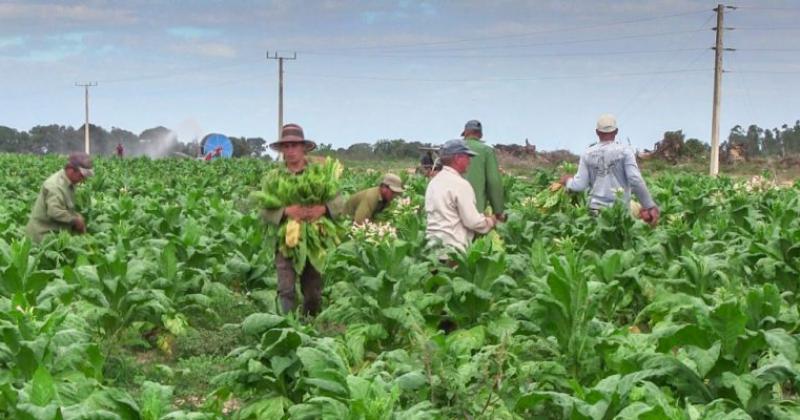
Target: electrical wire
521, 35
508, 79
649, 84
511, 46
524, 55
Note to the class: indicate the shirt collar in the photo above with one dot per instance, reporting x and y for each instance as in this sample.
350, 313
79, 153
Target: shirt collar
450, 169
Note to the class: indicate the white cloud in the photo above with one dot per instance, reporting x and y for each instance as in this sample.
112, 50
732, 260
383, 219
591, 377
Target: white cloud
207, 49
26, 12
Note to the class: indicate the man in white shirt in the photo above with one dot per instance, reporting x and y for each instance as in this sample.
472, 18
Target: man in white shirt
453, 217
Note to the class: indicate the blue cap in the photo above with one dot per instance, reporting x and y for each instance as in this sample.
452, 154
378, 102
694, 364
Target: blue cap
455, 147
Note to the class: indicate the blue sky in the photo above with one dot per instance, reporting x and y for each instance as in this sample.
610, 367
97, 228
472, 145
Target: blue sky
367, 70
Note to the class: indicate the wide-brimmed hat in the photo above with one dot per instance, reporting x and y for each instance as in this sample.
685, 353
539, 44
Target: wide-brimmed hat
293, 133
393, 182
82, 162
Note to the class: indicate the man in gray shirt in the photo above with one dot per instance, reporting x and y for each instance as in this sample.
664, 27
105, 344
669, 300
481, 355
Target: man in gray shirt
607, 167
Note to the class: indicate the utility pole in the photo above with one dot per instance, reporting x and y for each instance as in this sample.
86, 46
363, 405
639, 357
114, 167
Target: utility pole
718, 49
280, 59
86, 144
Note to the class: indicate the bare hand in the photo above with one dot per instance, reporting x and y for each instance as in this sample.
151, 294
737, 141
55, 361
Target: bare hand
312, 213
650, 216
295, 212
491, 221
79, 225
501, 217
564, 179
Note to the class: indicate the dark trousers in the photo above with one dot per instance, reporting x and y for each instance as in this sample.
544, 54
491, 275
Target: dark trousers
310, 285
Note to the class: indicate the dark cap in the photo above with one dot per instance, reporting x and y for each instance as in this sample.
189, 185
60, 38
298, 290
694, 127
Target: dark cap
82, 162
455, 147
472, 125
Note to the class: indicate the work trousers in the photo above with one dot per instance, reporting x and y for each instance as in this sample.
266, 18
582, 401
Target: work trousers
310, 285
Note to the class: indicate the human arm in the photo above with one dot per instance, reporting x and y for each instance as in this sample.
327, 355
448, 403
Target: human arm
581, 179
273, 216
57, 209
494, 185
464, 199
636, 182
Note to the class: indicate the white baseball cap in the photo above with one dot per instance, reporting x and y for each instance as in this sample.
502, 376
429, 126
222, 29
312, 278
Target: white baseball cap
607, 123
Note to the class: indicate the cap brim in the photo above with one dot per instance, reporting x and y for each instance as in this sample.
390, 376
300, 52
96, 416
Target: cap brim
396, 189
86, 172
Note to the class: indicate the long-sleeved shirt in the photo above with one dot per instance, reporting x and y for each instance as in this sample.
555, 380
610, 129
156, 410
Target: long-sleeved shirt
483, 174
453, 218
54, 209
363, 205
605, 168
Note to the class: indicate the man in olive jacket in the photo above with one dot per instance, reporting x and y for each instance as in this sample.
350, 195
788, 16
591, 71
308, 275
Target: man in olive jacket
54, 209
483, 172
293, 146
363, 205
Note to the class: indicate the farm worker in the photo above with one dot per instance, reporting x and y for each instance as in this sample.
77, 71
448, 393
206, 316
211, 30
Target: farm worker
483, 173
453, 218
364, 205
429, 166
120, 150
54, 209
607, 167
294, 146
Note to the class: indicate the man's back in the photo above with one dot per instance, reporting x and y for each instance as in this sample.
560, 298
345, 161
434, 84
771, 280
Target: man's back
364, 204
484, 176
606, 168
54, 207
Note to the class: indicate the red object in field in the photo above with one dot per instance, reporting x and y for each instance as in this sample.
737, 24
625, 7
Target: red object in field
211, 155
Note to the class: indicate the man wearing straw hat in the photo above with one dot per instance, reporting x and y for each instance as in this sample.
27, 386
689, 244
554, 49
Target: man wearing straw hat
54, 209
293, 146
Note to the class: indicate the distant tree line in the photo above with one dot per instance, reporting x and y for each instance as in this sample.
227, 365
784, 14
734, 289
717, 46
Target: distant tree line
161, 141
155, 142
395, 149
759, 141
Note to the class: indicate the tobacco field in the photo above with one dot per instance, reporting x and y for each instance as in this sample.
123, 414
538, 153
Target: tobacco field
167, 308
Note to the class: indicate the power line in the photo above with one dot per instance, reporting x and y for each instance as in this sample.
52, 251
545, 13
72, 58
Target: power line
768, 49
523, 55
774, 28
509, 79
763, 71
181, 72
787, 9
537, 44
521, 35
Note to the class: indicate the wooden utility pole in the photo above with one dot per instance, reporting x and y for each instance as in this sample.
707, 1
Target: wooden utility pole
86, 143
718, 49
280, 59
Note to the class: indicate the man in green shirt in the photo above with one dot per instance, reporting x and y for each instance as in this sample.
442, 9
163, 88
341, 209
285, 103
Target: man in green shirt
54, 209
363, 205
483, 173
